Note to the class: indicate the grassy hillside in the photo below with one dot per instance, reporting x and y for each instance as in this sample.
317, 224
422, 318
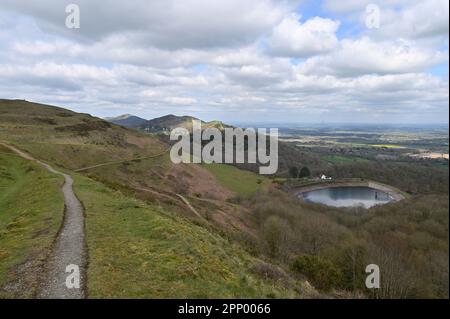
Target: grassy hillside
31, 210
243, 183
142, 238
72, 140
138, 250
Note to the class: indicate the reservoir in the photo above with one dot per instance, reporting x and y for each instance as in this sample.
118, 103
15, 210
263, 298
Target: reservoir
347, 196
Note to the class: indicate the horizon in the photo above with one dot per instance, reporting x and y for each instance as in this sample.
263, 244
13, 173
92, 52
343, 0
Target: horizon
280, 124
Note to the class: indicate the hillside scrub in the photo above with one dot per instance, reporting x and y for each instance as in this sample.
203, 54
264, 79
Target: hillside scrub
411, 178
332, 247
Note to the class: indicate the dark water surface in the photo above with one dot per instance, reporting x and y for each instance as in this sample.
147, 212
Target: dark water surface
347, 196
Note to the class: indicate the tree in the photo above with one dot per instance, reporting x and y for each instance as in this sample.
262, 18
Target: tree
276, 232
304, 172
293, 172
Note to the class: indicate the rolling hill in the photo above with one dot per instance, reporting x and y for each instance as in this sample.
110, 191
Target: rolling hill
153, 229
161, 124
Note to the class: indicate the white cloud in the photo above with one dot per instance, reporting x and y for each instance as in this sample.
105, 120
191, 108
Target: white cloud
364, 56
424, 19
294, 39
180, 100
412, 19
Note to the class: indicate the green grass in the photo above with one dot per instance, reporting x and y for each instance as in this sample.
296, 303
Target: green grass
138, 250
242, 182
31, 210
339, 159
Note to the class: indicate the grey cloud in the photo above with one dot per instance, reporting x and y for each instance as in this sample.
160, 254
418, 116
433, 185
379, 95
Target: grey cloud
164, 24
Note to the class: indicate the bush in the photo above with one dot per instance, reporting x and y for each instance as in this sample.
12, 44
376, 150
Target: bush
276, 236
322, 273
272, 272
305, 172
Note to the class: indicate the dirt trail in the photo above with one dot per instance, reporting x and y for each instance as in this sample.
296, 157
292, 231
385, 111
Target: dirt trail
123, 161
69, 247
181, 197
188, 204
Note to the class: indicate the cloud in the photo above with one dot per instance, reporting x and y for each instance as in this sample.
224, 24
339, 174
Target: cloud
410, 19
180, 100
364, 56
252, 60
294, 39
425, 19
167, 24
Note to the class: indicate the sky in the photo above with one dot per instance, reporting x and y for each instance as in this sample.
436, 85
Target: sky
262, 61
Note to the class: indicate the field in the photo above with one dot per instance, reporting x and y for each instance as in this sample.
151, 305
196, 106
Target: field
349, 144
337, 159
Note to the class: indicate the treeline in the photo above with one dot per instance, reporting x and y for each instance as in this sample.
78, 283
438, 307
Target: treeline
331, 247
289, 156
411, 178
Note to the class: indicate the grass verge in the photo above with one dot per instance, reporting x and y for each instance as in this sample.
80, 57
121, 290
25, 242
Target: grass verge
31, 211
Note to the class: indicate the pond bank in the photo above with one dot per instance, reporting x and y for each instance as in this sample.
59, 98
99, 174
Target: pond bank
396, 194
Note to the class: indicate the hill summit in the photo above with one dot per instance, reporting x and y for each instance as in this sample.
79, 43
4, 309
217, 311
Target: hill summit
127, 120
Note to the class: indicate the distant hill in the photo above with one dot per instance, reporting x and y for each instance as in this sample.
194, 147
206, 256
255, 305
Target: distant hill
161, 124
169, 122
127, 120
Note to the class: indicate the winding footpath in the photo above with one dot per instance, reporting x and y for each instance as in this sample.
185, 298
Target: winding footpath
69, 247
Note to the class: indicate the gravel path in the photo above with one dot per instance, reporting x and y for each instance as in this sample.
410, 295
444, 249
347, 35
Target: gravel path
69, 247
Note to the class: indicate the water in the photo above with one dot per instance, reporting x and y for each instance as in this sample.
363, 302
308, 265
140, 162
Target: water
347, 197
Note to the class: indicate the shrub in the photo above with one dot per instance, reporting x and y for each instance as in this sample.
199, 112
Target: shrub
305, 172
271, 272
275, 233
322, 273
